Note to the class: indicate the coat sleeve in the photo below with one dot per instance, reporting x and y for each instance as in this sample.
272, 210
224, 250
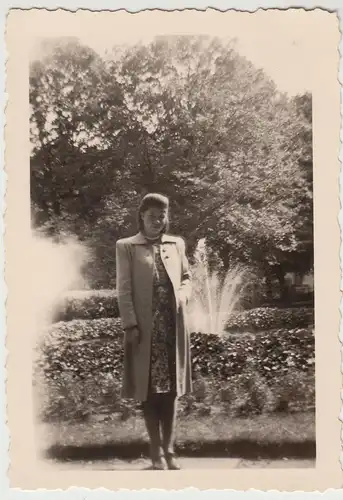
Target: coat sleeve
124, 286
186, 284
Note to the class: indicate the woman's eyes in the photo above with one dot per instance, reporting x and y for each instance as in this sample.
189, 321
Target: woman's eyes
151, 217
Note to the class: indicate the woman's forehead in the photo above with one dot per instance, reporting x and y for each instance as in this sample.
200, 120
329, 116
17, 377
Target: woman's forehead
156, 210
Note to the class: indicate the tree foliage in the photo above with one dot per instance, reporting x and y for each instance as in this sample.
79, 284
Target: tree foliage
188, 117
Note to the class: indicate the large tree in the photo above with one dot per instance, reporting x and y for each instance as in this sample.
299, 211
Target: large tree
267, 219
187, 116
73, 165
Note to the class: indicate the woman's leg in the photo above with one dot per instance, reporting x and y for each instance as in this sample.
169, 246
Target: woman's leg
168, 420
151, 416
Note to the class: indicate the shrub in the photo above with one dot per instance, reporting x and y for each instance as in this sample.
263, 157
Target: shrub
68, 397
248, 393
88, 304
266, 318
80, 363
97, 304
274, 353
83, 347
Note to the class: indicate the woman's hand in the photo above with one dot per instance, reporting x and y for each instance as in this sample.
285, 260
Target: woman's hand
132, 335
182, 298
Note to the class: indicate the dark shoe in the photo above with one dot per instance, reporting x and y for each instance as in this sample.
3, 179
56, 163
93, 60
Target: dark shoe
159, 464
172, 463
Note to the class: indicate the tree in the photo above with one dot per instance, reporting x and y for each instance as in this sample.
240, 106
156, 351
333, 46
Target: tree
186, 116
73, 168
268, 222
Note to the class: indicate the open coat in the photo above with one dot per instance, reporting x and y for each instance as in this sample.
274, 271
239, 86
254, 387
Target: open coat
134, 261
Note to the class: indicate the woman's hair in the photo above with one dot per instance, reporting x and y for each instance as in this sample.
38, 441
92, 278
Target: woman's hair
152, 200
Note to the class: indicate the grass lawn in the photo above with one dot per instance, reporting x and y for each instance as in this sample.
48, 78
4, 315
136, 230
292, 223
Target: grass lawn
271, 436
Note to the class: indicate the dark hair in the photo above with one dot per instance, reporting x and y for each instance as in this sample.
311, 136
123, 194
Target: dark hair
152, 200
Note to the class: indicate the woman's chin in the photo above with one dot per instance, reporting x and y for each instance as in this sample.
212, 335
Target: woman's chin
155, 233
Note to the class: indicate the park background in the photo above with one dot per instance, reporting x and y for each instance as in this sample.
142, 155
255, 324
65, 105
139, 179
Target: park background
191, 117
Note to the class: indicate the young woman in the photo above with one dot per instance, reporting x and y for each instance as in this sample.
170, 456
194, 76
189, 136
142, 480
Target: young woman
153, 285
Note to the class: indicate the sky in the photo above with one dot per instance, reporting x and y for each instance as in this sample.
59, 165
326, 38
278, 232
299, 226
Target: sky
283, 43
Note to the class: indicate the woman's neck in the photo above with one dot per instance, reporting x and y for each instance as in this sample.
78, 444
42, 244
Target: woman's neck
152, 238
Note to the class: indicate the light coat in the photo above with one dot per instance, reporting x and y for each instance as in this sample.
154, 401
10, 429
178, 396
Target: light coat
134, 262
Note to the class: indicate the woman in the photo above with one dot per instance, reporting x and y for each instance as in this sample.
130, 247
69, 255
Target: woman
153, 286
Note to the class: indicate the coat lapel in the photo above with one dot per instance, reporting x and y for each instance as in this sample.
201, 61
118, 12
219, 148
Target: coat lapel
171, 262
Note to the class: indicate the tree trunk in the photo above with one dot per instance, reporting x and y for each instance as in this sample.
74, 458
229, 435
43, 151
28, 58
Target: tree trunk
269, 288
284, 292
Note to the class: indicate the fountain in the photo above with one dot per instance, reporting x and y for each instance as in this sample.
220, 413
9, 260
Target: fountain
215, 296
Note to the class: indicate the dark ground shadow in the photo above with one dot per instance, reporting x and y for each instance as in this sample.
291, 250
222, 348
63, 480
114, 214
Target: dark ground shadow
243, 449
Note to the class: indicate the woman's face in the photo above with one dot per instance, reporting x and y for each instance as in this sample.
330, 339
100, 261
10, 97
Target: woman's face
154, 220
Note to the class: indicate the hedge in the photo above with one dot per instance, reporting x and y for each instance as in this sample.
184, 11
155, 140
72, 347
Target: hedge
87, 304
84, 346
265, 318
97, 304
81, 362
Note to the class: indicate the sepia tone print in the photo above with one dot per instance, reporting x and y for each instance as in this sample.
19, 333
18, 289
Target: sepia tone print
175, 303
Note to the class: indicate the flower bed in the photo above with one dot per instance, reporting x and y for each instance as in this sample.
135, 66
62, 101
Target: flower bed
81, 361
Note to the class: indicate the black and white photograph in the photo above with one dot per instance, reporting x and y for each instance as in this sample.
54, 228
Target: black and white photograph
172, 214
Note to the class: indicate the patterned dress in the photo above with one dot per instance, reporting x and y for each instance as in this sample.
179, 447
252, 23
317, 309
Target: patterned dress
163, 339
